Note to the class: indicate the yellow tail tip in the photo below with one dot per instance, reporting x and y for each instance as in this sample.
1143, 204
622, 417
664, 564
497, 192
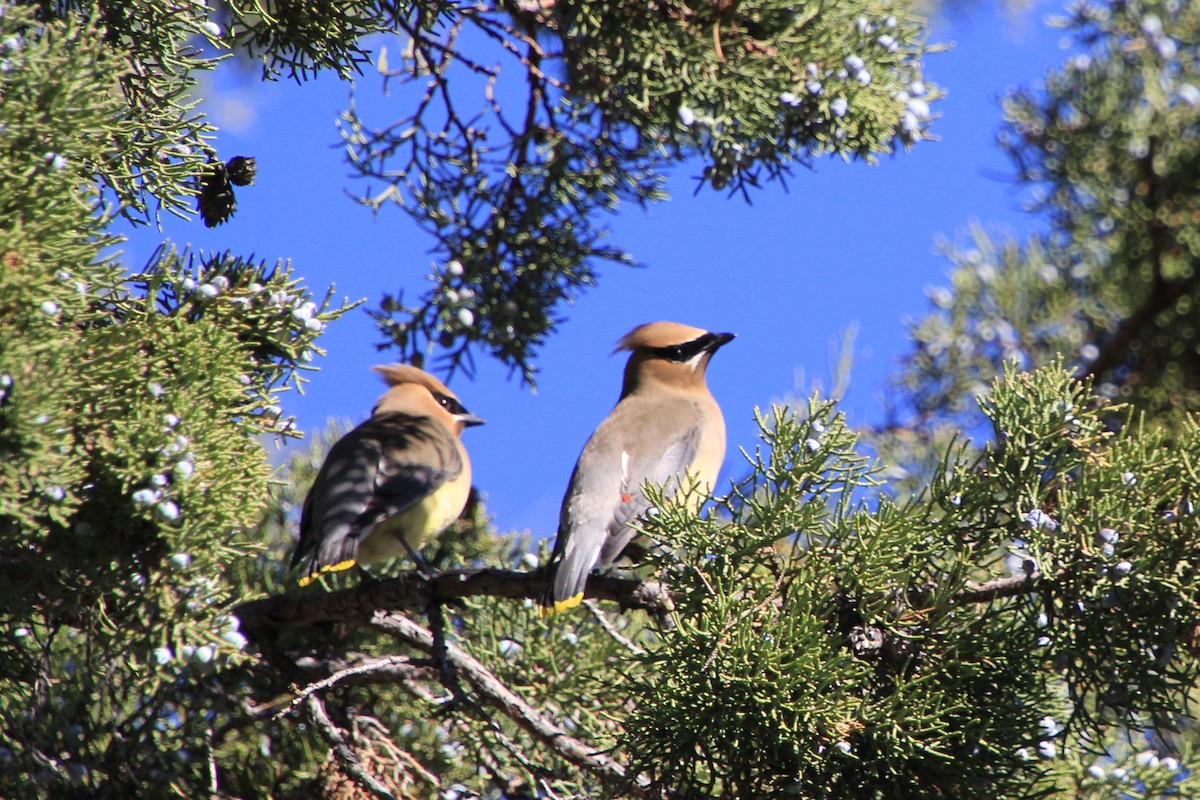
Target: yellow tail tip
338, 567
560, 606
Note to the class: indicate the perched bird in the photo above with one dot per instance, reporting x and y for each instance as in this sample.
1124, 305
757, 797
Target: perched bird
392, 483
666, 428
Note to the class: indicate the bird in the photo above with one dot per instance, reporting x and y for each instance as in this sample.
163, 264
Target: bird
391, 484
666, 429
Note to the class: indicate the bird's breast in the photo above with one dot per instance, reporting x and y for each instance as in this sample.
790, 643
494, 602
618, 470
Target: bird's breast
420, 522
710, 449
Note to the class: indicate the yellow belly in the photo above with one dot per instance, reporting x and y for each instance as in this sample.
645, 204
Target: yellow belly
417, 524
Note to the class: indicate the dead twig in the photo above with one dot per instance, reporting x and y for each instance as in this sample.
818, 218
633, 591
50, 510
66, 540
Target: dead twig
493, 691
388, 663
611, 630
347, 758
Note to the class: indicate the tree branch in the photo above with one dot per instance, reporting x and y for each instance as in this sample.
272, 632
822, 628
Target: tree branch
412, 590
395, 668
347, 758
1162, 296
377, 604
997, 588
610, 629
496, 694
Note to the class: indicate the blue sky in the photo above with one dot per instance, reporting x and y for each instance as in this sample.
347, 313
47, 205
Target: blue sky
848, 244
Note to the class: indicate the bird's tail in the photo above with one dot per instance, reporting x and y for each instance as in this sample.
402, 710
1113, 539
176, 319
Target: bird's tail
332, 556
568, 579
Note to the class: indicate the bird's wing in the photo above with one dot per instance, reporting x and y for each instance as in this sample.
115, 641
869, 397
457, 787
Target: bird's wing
640, 465
417, 455
385, 465
641, 441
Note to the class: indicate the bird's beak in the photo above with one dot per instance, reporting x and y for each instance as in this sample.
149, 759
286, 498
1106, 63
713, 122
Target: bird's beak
720, 340
469, 420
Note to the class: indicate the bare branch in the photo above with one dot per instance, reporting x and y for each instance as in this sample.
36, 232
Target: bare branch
496, 694
1162, 296
322, 666
347, 758
382, 739
395, 667
375, 604
997, 588
611, 630
446, 49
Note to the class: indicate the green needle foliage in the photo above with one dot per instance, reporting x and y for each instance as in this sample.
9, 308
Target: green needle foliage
131, 411
132, 477
118, 109
1109, 150
827, 645
996, 597
1106, 150
532, 120
526, 123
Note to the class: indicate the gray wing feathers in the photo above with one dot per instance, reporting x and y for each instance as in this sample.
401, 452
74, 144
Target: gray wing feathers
664, 471
571, 572
635, 445
376, 471
412, 469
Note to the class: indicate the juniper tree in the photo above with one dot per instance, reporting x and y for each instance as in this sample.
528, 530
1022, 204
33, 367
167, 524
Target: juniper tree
1015, 617
983, 629
1106, 152
135, 491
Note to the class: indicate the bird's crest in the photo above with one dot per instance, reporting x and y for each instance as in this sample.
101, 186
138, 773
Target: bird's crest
658, 334
397, 374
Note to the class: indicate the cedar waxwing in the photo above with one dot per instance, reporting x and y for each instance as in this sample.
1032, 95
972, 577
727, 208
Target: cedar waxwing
665, 424
392, 483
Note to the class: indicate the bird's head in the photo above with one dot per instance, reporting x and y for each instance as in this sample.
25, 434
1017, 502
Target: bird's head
415, 391
668, 353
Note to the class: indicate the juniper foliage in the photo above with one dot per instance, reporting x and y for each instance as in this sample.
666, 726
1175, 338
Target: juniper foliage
994, 598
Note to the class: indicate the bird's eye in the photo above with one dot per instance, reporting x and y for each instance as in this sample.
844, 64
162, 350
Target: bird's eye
449, 403
679, 353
